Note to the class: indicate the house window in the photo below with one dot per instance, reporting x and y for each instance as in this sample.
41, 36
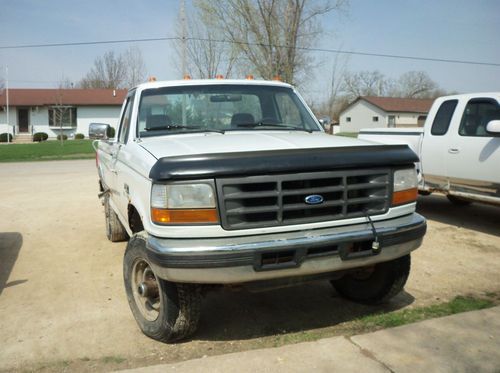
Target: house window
348, 119
375, 118
62, 116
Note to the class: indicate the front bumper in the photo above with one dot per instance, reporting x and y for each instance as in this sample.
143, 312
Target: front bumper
232, 260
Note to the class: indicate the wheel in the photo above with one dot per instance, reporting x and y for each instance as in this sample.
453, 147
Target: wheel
114, 228
165, 311
457, 200
376, 284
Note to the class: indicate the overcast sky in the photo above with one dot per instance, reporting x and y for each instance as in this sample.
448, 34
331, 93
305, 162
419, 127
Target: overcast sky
448, 29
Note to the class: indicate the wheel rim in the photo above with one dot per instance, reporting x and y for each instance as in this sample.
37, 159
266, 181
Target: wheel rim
145, 290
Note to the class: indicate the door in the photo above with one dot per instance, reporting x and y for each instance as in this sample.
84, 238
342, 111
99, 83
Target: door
120, 160
473, 155
392, 121
23, 120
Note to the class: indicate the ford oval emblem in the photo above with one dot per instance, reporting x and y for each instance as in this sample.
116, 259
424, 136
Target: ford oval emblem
314, 199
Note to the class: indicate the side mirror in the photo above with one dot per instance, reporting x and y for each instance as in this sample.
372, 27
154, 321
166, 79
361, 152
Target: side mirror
493, 127
101, 131
325, 121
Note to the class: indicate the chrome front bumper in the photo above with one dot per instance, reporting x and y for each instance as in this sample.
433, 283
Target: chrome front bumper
231, 260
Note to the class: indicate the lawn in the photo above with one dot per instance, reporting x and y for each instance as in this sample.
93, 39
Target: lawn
47, 150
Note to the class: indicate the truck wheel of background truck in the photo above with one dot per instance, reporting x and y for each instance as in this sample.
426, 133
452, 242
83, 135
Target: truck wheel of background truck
375, 284
114, 228
458, 201
165, 311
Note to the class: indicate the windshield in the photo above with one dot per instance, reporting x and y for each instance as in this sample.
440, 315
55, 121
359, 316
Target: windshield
221, 108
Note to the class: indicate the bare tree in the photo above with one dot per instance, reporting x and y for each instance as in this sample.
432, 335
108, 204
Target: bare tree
116, 70
335, 99
206, 56
415, 84
365, 83
60, 114
271, 34
135, 69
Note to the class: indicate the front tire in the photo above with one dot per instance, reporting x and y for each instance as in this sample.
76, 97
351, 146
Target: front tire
164, 310
376, 284
114, 228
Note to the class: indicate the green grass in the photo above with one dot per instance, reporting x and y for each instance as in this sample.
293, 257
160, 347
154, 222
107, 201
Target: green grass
113, 359
46, 151
383, 320
408, 316
347, 134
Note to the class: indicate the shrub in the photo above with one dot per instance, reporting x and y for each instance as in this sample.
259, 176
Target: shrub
3, 137
111, 132
79, 136
40, 136
64, 137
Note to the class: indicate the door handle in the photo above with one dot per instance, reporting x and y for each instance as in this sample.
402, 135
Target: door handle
453, 151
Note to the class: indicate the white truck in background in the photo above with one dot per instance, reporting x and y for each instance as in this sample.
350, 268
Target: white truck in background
458, 147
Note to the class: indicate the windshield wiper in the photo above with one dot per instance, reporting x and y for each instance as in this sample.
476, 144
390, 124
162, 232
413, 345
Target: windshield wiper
268, 124
183, 127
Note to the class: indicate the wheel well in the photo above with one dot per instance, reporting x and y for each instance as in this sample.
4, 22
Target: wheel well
134, 220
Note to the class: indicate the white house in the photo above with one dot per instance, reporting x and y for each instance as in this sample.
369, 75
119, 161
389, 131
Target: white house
53, 110
372, 112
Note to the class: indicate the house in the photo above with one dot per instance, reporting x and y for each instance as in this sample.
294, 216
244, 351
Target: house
55, 110
372, 112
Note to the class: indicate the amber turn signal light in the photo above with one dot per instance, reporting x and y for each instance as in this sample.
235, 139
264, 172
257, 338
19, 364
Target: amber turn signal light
404, 196
181, 216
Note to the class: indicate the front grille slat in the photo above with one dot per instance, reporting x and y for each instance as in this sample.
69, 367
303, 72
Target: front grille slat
312, 191
298, 206
275, 200
251, 210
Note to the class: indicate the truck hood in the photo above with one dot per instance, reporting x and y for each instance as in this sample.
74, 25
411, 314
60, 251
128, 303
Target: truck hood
254, 141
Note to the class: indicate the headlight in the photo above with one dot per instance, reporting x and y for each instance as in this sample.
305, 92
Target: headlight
183, 204
405, 186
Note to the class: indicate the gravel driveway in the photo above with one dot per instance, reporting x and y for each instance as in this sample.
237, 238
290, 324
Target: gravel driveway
62, 301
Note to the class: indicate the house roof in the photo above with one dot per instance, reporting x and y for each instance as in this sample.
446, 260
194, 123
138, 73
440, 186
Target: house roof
54, 96
397, 104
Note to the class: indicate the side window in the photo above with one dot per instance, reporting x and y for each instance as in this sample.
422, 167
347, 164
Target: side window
125, 121
289, 112
443, 116
477, 114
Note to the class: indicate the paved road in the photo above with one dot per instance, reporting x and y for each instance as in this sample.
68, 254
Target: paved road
62, 297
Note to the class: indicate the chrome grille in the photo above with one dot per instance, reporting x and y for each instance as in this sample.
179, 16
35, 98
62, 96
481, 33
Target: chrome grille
274, 200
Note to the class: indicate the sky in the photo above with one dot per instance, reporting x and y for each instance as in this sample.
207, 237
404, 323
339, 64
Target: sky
446, 29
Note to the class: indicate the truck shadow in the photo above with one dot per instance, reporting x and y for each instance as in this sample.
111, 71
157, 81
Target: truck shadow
479, 217
243, 315
10, 245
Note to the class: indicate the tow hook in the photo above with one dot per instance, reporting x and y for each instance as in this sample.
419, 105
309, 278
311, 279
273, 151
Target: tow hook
103, 193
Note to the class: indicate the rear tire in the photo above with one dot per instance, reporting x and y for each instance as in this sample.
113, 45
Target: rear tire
377, 284
166, 311
457, 201
114, 228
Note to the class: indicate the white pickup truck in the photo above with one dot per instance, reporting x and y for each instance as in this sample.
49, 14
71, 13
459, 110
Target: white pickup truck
234, 182
459, 147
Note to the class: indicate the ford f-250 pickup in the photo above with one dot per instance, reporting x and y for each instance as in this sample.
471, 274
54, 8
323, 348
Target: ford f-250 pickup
234, 182
459, 147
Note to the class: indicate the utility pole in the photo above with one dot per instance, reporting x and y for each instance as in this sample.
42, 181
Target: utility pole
184, 38
7, 101
184, 46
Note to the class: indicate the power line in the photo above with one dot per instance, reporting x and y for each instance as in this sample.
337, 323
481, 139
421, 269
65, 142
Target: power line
308, 49
79, 43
